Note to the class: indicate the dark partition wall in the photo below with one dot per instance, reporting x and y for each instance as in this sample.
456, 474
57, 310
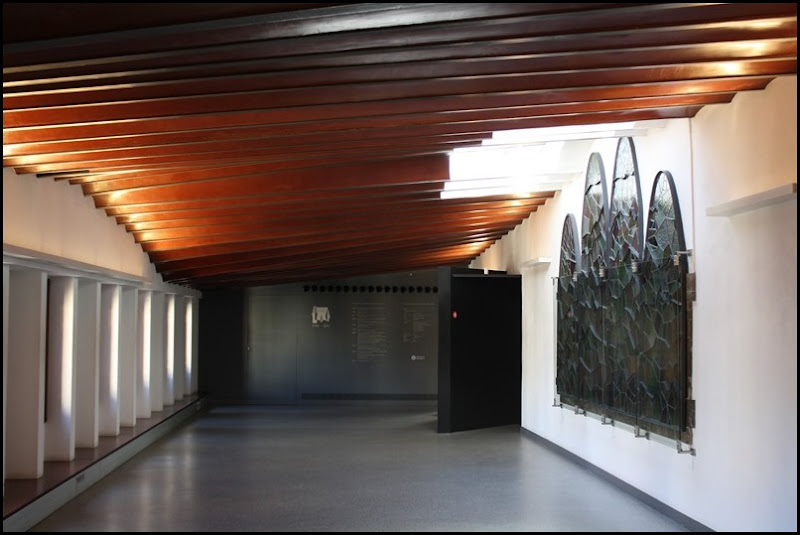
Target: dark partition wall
480, 349
452, 335
366, 338
221, 349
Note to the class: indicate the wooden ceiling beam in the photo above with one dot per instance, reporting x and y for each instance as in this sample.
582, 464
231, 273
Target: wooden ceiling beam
247, 58
400, 262
323, 214
483, 127
312, 144
263, 145
261, 151
247, 124
373, 243
290, 276
355, 27
174, 266
216, 233
343, 230
302, 208
253, 100
567, 62
401, 171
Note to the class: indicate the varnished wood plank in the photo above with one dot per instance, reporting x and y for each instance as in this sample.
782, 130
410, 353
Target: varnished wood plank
147, 46
262, 150
368, 255
144, 178
163, 107
401, 171
350, 18
156, 211
342, 229
375, 219
311, 215
429, 70
354, 264
226, 253
283, 207
247, 58
283, 204
265, 146
468, 127
290, 276
33, 22
216, 127
277, 147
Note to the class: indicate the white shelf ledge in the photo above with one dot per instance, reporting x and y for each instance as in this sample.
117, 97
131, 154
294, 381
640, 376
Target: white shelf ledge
536, 262
787, 192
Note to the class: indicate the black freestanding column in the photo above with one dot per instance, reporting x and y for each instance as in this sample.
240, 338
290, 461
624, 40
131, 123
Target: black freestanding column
480, 349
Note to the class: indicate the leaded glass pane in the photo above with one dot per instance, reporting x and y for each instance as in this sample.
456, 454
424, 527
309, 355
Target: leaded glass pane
625, 223
663, 363
590, 289
595, 210
623, 285
568, 371
664, 227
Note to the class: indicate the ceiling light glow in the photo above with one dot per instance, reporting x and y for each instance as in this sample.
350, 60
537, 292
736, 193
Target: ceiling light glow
525, 161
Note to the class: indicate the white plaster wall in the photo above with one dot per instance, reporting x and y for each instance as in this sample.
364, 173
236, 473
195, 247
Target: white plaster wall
744, 476
746, 315
54, 217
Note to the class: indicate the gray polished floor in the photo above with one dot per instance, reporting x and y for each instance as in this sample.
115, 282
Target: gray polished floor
376, 467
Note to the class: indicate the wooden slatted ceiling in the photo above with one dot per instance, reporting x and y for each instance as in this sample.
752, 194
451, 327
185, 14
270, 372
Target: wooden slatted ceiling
251, 144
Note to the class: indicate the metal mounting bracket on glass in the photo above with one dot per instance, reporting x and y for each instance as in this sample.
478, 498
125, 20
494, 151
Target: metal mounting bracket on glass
688, 450
639, 433
676, 259
605, 420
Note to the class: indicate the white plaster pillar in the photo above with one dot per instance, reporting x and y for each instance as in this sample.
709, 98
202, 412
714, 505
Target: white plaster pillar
143, 348
195, 345
26, 367
169, 349
128, 331
5, 363
188, 327
109, 360
59, 427
87, 365
180, 348
157, 328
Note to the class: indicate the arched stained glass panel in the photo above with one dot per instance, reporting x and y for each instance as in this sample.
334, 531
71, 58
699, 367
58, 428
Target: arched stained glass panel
595, 211
568, 369
665, 236
623, 285
625, 215
622, 332
590, 294
663, 366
